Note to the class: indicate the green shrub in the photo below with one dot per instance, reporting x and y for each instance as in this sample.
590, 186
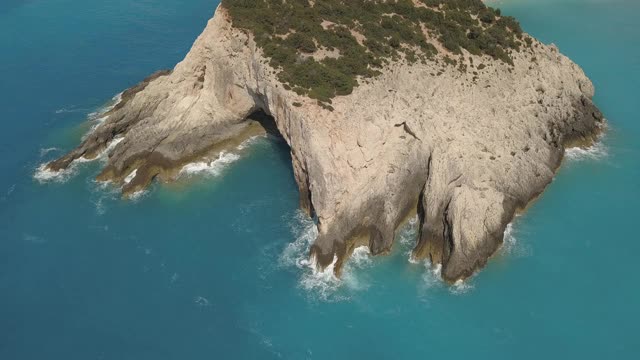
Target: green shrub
393, 29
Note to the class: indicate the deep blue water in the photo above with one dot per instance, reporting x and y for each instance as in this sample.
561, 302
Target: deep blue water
210, 267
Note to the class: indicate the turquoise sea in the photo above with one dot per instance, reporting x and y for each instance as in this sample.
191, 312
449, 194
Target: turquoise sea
212, 267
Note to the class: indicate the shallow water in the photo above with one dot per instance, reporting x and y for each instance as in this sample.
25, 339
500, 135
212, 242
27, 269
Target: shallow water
215, 265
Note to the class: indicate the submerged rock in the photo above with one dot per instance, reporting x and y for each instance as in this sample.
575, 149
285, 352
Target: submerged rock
466, 148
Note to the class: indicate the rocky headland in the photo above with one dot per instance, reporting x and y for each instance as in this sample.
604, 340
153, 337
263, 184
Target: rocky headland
464, 130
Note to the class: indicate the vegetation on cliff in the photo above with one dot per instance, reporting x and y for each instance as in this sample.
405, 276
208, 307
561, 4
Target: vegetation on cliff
322, 48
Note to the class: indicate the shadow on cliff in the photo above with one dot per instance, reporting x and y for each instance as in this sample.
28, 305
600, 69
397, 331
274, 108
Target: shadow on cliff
269, 124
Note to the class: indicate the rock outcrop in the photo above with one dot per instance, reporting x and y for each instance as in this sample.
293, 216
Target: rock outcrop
466, 148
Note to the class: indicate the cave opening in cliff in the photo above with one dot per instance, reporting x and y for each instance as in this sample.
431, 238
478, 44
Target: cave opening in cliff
268, 123
270, 126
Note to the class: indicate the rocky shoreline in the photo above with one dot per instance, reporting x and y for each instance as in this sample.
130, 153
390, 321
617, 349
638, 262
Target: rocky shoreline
465, 150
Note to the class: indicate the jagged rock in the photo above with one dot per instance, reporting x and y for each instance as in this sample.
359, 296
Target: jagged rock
467, 150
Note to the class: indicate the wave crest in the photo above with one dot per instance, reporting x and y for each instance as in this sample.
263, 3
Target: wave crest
323, 285
597, 151
210, 167
45, 175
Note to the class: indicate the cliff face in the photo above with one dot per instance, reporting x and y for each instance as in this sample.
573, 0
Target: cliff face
466, 148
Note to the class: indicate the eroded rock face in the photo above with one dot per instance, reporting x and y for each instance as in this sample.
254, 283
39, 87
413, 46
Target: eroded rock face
467, 148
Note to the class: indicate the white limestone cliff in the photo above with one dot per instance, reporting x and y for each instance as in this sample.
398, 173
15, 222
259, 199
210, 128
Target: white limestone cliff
466, 148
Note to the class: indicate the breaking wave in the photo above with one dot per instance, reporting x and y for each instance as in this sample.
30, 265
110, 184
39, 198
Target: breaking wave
214, 167
45, 151
432, 275
511, 245
406, 238
509, 238
115, 100
251, 141
45, 175
97, 117
210, 167
323, 285
138, 195
461, 287
597, 151
432, 279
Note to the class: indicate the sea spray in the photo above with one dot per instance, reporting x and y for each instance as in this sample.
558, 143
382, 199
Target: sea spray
115, 100
598, 151
461, 287
139, 195
209, 167
406, 238
511, 246
432, 276
432, 279
214, 167
98, 117
45, 175
251, 141
322, 284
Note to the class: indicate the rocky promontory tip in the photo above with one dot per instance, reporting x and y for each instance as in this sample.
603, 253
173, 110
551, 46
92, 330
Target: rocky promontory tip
451, 110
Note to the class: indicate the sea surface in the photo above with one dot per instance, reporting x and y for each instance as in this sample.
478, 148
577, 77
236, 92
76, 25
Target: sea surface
213, 267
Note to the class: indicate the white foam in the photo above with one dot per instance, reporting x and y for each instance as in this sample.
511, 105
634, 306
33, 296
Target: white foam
320, 284
210, 167
214, 167
250, 141
509, 237
96, 123
100, 207
201, 301
97, 116
461, 287
361, 257
45, 151
406, 238
323, 284
45, 175
115, 100
597, 151
131, 176
432, 277
138, 195
407, 234
110, 146
353, 276
511, 245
